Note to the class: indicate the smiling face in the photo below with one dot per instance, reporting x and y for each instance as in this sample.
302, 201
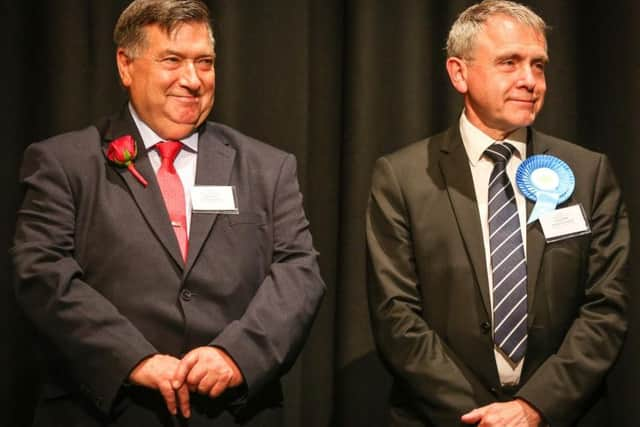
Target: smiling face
503, 82
171, 82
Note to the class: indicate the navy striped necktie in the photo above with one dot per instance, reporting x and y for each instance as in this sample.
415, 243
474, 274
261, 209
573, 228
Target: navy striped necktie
508, 261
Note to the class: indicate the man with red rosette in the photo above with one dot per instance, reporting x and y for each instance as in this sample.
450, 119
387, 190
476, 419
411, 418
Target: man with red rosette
165, 261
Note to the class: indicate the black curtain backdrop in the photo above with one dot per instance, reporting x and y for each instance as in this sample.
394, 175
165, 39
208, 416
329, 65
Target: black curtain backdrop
338, 83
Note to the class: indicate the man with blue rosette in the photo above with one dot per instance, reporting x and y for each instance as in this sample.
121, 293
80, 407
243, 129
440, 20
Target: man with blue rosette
497, 268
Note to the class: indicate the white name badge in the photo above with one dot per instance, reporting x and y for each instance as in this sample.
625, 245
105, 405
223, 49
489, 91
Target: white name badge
564, 223
214, 199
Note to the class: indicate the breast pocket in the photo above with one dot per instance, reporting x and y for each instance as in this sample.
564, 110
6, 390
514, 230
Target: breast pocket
564, 279
246, 218
247, 247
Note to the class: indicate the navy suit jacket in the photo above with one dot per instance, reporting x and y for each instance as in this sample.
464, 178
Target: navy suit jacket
100, 274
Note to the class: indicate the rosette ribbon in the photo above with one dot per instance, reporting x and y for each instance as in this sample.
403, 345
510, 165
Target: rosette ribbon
545, 180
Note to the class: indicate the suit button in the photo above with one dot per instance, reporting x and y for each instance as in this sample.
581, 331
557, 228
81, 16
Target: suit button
486, 327
494, 390
186, 294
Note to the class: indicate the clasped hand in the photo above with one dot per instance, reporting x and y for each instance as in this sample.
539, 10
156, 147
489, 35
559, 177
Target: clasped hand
516, 413
205, 370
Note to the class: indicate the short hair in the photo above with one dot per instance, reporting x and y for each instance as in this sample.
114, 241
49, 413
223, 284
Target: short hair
129, 33
470, 22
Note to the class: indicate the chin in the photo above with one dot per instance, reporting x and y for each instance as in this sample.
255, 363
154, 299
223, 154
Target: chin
523, 120
185, 121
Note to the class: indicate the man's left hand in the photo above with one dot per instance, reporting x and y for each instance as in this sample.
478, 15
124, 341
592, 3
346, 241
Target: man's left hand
207, 370
516, 413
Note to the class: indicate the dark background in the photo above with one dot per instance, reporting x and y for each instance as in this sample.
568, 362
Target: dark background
338, 83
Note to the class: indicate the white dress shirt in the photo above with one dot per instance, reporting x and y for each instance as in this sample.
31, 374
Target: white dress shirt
475, 143
184, 163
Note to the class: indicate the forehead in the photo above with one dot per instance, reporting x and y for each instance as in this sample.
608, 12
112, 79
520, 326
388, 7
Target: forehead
502, 33
185, 35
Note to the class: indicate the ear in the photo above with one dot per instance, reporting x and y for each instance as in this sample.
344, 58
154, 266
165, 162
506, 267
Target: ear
457, 70
124, 67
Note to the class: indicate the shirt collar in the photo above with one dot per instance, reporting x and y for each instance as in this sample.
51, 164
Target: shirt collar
150, 138
476, 142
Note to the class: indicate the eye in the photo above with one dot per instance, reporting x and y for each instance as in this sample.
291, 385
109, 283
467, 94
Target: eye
540, 66
171, 60
205, 63
507, 64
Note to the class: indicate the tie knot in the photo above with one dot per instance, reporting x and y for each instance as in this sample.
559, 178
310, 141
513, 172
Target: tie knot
500, 152
168, 150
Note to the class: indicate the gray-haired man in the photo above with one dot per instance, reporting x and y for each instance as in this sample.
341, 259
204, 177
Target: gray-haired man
481, 318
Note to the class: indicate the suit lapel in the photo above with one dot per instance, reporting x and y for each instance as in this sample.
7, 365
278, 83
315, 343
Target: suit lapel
149, 199
454, 164
215, 161
535, 237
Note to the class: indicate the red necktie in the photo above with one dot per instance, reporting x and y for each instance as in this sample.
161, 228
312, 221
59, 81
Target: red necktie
172, 191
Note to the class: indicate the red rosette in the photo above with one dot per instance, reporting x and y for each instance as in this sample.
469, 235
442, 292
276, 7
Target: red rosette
122, 152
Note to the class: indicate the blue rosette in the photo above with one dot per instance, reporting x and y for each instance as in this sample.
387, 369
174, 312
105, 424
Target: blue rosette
545, 180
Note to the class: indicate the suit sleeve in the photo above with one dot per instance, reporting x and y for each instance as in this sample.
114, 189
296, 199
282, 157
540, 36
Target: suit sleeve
562, 387
416, 356
265, 341
98, 344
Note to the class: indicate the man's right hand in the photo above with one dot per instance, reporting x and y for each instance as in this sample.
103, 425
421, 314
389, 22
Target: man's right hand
156, 372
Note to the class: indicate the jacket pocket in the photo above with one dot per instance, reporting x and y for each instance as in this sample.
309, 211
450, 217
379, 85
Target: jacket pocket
246, 218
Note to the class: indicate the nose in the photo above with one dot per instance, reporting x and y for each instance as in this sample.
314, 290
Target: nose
189, 77
527, 77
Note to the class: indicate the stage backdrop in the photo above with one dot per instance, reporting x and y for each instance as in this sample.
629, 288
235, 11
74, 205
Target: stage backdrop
338, 83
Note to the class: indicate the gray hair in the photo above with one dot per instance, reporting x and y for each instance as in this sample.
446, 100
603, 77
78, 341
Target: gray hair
129, 32
470, 22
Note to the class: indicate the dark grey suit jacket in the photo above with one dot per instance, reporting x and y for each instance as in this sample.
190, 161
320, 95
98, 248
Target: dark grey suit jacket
429, 292
101, 276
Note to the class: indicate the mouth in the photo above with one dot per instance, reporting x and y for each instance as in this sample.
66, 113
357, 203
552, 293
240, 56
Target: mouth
524, 101
187, 99
524, 104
